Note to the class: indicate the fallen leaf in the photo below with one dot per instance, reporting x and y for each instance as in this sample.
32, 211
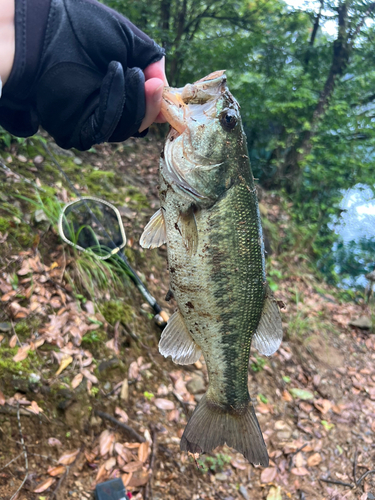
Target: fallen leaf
126, 478
287, 397
77, 380
327, 425
139, 478
22, 353
274, 493
56, 471
301, 394
64, 363
106, 441
133, 466
306, 407
89, 376
164, 404
13, 341
44, 486
314, 460
102, 473
54, 442
323, 405
68, 458
122, 414
35, 408
299, 460
299, 471
110, 463
124, 394
143, 451
268, 475
2, 399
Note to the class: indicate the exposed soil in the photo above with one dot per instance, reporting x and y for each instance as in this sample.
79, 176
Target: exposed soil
315, 398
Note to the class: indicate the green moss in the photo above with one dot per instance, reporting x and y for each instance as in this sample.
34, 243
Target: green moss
8, 366
115, 310
4, 225
94, 337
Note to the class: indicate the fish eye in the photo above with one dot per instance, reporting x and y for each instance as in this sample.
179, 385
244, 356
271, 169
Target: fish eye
228, 120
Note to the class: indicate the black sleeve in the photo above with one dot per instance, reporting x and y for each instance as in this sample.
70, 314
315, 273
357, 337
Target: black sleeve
77, 73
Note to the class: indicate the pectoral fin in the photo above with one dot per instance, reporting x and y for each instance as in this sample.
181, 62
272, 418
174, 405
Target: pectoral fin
177, 342
269, 334
154, 234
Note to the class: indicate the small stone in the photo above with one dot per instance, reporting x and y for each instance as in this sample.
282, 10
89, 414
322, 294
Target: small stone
243, 491
22, 158
5, 327
77, 161
38, 160
196, 385
40, 216
221, 476
363, 322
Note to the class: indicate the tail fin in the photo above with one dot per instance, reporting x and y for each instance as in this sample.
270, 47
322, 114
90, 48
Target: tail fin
210, 426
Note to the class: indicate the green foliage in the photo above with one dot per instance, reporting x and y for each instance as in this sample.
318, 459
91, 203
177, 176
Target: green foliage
258, 364
214, 464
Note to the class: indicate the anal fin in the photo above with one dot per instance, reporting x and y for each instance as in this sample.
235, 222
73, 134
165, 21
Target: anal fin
177, 342
154, 234
269, 334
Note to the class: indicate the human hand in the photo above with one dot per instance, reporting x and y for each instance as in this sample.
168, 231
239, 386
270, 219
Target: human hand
154, 84
98, 79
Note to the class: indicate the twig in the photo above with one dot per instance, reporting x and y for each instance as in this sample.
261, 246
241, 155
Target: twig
355, 466
148, 488
25, 453
13, 460
336, 482
131, 431
293, 454
364, 475
11, 410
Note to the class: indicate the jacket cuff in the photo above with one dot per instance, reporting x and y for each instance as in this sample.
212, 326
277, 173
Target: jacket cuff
31, 18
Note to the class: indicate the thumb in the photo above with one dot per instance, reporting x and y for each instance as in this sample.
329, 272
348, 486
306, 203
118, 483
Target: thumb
153, 92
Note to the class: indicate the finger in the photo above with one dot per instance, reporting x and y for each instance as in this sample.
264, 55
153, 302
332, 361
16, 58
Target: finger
153, 92
156, 70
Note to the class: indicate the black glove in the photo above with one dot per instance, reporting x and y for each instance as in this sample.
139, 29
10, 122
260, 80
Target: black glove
77, 72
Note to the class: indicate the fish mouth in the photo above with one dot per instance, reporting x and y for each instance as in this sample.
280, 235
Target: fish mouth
193, 102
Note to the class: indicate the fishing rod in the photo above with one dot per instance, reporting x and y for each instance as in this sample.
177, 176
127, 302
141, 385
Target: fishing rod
94, 225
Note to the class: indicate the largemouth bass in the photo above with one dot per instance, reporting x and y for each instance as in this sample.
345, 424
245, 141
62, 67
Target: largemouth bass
210, 220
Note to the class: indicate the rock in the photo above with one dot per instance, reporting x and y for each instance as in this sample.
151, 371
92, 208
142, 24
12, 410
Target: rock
40, 216
108, 365
363, 322
77, 161
221, 476
243, 491
196, 385
5, 327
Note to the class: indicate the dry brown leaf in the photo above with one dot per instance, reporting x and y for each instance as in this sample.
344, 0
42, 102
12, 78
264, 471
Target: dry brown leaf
1, 338
56, 471
143, 451
124, 394
2, 399
110, 463
126, 478
132, 446
22, 353
164, 404
287, 396
13, 341
65, 362
54, 442
35, 408
8, 295
106, 441
314, 460
306, 407
77, 380
89, 376
299, 471
68, 458
133, 466
44, 485
323, 405
139, 478
102, 473
299, 460
122, 414
133, 370
268, 475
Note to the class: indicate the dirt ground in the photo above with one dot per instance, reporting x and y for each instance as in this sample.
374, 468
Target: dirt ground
62, 433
